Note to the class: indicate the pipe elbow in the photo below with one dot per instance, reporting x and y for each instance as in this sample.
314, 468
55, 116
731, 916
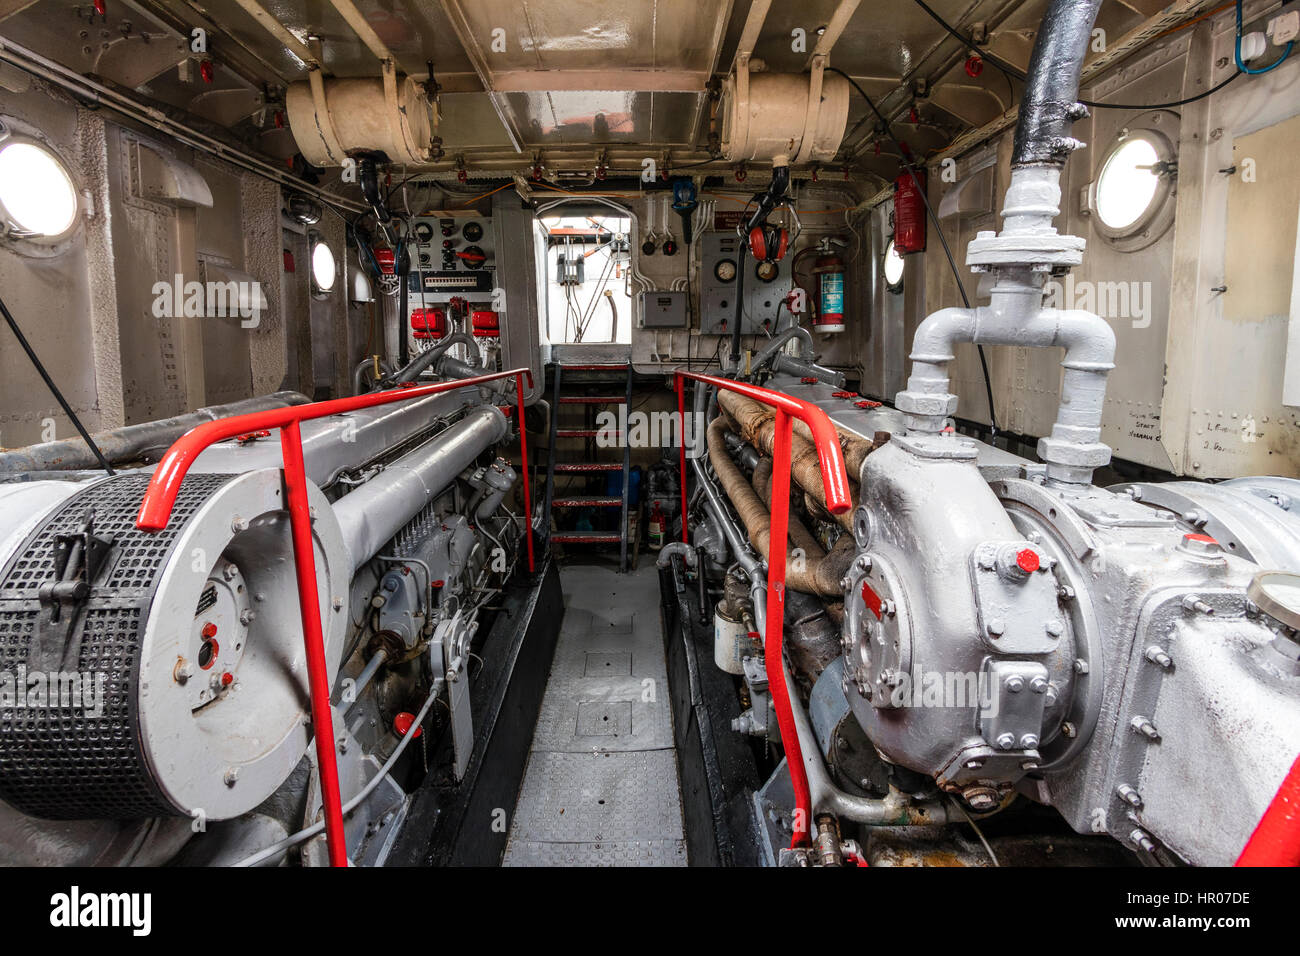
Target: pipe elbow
1088, 339
676, 549
939, 332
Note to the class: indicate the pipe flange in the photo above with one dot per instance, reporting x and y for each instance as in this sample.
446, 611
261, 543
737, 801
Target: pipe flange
989, 250
1072, 462
925, 405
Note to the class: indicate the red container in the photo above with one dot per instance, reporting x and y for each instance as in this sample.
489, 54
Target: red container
428, 323
485, 324
909, 214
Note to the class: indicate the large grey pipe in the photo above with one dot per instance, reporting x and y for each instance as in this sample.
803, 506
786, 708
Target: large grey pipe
377, 510
133, 442
1051, 99
801, 367
426, 358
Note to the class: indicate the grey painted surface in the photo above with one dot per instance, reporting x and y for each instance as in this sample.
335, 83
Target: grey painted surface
601, 785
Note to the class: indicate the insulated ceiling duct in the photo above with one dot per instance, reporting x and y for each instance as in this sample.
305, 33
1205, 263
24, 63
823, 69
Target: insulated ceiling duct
331, 118
783, 117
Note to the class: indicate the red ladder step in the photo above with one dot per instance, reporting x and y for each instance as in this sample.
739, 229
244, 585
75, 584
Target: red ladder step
587, 537
593, 368
578, 466
593, 400
588, 501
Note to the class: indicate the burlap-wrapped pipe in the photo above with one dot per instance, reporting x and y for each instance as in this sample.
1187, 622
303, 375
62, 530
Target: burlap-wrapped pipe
826, 569
806, 572
756, 423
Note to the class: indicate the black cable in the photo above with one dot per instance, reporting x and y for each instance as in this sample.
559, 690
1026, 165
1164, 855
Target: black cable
943, 240
1010, 70
67, 409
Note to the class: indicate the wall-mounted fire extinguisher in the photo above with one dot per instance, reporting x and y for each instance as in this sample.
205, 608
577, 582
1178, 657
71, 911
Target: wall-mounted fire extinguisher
829, 269
909, 213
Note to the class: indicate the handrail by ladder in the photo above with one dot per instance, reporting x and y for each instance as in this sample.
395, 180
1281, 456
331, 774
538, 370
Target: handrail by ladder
160, 497
838, 500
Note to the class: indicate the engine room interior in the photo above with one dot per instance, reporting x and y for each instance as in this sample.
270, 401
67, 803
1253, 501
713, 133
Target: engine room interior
709, 433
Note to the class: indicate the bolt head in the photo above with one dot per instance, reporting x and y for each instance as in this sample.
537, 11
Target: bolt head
231, 776
1014, 684
980, 799
1006, 741
997, 627
1028, 741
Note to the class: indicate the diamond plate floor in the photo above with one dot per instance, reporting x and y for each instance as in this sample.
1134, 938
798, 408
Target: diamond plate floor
601, 785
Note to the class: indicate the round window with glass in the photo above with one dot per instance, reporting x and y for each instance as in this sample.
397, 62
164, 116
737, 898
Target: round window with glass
37, 197
324, 269
1132, 202
892, 267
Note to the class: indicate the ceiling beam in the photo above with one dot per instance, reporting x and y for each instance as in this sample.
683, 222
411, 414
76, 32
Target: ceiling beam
465, 34
754, 21
278, 30
834, 29
364, 31
635, 81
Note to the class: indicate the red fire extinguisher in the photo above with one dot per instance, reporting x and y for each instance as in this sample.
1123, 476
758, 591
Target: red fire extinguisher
909, 213
829, 269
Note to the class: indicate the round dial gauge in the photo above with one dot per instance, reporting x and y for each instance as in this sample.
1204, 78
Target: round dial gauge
725, 270
472, 232
767, 271
423, 232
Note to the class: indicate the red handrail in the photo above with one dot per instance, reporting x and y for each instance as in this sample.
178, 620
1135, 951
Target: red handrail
1276, 840
838, 500
160, 497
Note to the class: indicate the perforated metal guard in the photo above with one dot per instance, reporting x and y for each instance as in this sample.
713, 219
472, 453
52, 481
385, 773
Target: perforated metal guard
62, 762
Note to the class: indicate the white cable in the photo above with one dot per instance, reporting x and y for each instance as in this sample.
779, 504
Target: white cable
276, 849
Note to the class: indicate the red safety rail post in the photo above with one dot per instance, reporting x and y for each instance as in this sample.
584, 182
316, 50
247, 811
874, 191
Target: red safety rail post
160, 498
1276, 840
835, 479
681, 419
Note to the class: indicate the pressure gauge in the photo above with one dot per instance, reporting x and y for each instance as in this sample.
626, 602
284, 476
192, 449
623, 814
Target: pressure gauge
472, 232
423, 232
766, 271
725, 270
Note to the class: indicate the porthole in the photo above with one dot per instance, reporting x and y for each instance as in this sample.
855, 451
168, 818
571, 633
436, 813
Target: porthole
892, 268
38, 200
1132, 201
324, 269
